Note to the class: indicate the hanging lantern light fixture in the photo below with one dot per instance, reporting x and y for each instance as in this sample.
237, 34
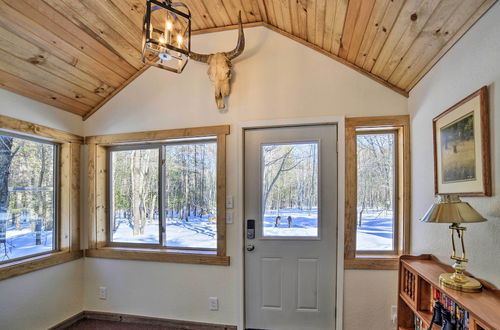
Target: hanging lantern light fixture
166, 39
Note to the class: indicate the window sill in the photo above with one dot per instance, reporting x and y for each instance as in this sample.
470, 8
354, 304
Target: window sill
373, 262
27, 265
159, 255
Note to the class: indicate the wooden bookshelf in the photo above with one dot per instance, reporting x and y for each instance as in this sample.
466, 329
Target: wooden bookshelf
419, 275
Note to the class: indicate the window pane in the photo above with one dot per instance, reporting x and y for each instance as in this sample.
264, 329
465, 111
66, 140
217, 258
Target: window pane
135, 196
191, 195
290, 189
27, 195
376, 189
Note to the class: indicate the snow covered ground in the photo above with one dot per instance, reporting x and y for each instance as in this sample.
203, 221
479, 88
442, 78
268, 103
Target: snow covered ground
304, 223
375, 232
21, 243
195, 233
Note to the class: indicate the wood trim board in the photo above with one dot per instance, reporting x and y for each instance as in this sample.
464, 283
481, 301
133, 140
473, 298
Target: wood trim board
141, 321
68, 224
38, 131
374, 260
98, 193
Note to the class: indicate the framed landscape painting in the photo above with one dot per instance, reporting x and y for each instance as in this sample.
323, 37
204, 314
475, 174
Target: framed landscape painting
462, 147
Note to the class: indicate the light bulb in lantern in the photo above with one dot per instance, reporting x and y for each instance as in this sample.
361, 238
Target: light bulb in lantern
162, 40
168, 25
179, 40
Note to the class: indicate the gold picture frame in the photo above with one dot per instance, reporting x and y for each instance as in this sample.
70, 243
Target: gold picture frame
462, 160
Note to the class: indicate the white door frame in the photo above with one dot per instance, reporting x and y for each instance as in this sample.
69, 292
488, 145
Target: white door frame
340, 122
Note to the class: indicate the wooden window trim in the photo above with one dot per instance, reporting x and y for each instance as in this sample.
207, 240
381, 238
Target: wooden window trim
377, 260
98, 197
69, 197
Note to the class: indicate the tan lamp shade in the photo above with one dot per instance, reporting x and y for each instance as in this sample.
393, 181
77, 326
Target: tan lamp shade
450, 209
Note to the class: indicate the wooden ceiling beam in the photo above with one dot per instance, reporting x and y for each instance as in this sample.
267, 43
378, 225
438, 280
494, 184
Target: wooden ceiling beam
262, 10
383, 30
338, 59
338, 26
458, 35
80, 53
92, 24
360, 29
116, 91
37, 34
439, 29
35, 92
378, 12
65, 29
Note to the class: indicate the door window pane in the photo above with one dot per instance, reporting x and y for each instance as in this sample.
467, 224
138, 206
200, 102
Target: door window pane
290, 189
191, 195
27, 197
134, 205
376, 156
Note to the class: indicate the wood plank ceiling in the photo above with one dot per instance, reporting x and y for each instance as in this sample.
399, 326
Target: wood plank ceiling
77, 54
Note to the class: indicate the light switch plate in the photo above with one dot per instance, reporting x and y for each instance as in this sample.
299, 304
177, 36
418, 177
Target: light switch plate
229, 216
229, 202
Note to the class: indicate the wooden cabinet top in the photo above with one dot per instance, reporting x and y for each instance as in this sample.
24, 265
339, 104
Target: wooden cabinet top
484, 305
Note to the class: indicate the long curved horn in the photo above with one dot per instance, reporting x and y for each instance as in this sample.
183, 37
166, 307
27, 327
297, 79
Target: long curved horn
199, 57
240, 45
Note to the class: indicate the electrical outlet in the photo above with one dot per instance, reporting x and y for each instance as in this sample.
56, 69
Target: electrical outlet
213, 303
394, 314
229, 216
103, 293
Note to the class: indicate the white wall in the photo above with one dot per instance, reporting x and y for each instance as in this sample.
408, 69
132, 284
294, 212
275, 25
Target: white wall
46, 297
20, 107
472, 63
41, 299
275, 78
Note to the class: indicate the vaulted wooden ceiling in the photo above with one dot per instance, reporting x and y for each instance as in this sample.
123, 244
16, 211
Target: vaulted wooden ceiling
77, 54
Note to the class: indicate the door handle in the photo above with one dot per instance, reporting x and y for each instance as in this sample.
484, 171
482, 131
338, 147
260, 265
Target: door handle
250, 247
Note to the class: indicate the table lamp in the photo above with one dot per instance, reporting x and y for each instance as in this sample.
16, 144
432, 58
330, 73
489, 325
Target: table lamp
450, 209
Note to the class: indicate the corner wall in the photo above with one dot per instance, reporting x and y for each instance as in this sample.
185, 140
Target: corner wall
41, 299
275, 78
472, 63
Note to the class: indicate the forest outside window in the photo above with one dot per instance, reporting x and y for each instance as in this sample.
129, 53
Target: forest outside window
376, 209
28, 196
39, 197
377, 191
159, 195
164, 195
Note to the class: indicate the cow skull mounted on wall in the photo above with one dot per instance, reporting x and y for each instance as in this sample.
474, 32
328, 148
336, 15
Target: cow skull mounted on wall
219, 67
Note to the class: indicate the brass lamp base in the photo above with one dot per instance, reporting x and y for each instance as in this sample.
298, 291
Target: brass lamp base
460, 282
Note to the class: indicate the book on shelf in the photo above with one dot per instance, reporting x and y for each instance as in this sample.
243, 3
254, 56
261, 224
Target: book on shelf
461, 314
419, 324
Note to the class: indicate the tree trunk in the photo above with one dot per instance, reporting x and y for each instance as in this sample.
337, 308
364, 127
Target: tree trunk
136, 185
6, 155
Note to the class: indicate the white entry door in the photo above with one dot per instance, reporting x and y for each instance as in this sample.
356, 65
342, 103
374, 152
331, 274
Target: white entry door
291, 227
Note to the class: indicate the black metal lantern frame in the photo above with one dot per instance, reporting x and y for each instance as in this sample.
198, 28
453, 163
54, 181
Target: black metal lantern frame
166, 40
